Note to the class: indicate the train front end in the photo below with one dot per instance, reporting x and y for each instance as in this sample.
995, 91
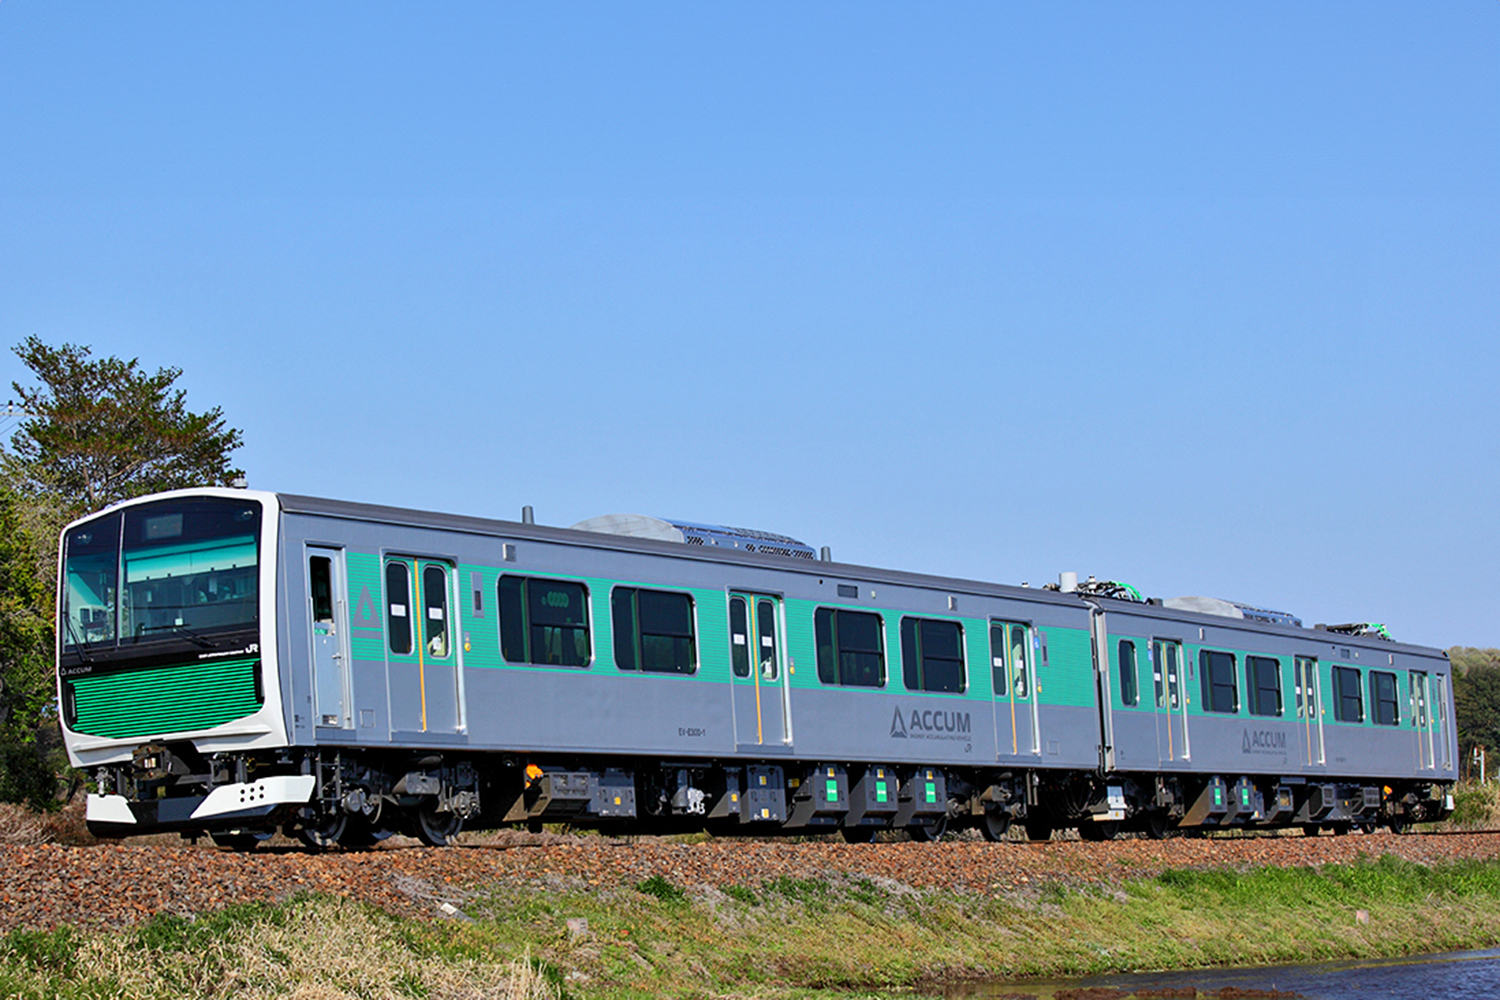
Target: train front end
166, 662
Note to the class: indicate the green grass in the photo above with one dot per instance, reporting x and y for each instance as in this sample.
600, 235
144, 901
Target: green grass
784, 938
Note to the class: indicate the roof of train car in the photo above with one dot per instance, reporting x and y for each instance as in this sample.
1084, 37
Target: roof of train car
300, 504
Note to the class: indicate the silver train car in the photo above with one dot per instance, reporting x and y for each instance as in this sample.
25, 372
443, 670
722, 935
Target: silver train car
234, 662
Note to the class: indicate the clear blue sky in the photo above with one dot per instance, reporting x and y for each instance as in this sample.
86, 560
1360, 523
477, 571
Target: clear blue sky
1202, 297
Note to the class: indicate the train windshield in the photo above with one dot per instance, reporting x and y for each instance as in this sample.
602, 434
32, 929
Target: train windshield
178, 573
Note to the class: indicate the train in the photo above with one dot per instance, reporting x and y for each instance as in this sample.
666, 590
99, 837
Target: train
232, 663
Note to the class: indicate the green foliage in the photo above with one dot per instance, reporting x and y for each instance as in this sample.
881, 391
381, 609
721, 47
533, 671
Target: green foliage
42, 951
1476, 695
801, 890
169, 933
1476, 806
101, 431
27, 764
742, 893
661, 889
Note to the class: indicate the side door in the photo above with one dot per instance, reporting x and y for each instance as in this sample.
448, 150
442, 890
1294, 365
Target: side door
1169, 687
1013, 677
1421, 717
328, 622
758, 664
1309, 697
423, 667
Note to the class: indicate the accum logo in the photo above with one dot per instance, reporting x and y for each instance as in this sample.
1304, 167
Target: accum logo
1263, 740
926, 721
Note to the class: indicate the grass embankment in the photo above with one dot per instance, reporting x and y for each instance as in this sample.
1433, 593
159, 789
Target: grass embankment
785, 938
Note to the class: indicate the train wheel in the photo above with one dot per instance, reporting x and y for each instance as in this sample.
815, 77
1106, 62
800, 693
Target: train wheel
1400, 825
859, 834
995, 826
324, 831
1156, 825
437, 829
1038, 829
1098, 830
929, 834
1311, 830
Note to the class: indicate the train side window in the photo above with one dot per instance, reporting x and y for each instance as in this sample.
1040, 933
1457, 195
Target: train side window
739, 636
398, 607
1130, 692
851, 651
1348, 699
544, 621
435, 610
1383, 698
1216, 671
1263, 684
932, 655
654, 631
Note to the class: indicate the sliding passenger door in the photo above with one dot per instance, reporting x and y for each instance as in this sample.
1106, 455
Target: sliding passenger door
1014, 680
328, 620
1421, 717
422, 655
1169, 687
757, 659
1309, 694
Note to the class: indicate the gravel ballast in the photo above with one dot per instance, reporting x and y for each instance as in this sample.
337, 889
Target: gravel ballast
112, 885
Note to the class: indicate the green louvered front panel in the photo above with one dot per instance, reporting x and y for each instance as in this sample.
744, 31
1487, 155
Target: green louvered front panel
155, 701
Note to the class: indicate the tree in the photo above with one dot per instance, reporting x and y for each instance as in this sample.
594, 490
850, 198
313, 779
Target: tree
26, 686
101, 431
97, 431
1476, 696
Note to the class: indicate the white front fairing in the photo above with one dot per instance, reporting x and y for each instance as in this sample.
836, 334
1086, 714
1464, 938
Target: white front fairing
266, 727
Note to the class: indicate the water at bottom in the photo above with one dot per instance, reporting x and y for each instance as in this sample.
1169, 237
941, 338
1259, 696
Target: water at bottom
1466, 975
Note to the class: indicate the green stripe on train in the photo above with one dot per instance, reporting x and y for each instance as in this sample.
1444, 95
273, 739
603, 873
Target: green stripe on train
154, 701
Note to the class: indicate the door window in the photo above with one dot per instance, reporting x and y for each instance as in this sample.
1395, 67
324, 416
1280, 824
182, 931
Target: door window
765, 626
739, 636
435, 611
398, 607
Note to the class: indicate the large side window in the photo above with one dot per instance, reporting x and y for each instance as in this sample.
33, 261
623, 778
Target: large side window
1216, 669
1263, 684
544, 621
654, 631
1130, 692
398, 607
1348, 699
932, 655
1383, 698
851, 650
